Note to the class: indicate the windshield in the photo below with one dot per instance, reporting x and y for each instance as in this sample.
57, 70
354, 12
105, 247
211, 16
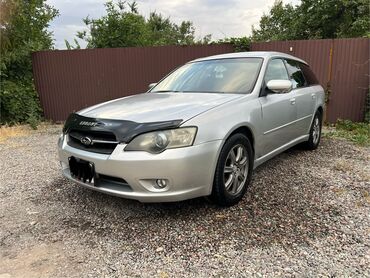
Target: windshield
213, 76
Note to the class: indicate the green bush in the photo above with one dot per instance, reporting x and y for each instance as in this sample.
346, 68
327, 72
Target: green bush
19, 103
24, 29
367, 107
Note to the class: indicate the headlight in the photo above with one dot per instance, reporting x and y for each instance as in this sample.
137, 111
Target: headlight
158, 141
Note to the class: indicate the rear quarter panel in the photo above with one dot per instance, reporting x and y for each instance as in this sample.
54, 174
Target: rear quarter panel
318, 90
320, 93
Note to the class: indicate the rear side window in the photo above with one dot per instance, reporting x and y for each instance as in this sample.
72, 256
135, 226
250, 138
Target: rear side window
308, 74
276, 70
295, 74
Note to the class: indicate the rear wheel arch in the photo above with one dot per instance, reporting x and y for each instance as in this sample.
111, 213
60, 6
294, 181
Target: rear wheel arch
315, 132
321, 110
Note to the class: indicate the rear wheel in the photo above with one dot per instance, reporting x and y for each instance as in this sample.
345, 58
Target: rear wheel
233, 172
315, 132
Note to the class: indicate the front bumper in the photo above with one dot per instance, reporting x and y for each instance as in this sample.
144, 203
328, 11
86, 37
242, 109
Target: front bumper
189, 171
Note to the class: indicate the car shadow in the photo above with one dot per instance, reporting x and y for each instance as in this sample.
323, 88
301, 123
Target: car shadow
282, 206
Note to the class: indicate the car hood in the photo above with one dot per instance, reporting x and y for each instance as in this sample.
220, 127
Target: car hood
153, 107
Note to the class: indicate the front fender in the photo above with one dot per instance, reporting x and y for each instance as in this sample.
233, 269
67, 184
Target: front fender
219, 123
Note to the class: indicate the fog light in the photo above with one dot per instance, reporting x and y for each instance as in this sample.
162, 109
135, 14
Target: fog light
161, 183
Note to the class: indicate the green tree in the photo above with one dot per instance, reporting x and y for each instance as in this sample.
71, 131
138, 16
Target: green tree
23, 29
124, 26
314, 19
118, 28
71, 46
161, 31
277, 25
240, 44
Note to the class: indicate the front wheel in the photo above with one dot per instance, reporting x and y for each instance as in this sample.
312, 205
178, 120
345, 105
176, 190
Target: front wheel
315, 132
233, 172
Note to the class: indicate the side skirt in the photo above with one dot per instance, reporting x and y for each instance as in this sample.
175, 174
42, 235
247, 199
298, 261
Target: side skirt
275, 152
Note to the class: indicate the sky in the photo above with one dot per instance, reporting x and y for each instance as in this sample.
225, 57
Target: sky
221, 18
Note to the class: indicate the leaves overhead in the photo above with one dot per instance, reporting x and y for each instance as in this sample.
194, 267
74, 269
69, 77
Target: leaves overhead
314, 19
240, 44
124, 26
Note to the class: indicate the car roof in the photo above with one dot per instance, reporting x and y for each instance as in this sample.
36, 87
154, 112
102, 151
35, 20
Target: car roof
250, 54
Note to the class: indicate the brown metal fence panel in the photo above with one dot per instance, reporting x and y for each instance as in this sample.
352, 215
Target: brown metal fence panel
350, 79
315, 52
342, 63
69, 80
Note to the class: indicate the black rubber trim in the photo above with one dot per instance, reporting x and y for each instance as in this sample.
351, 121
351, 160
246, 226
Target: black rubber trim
124, 130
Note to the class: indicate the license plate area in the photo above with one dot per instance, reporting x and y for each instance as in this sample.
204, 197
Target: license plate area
82, 170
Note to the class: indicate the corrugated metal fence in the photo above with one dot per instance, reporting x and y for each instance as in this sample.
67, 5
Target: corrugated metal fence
342, 67
68, 80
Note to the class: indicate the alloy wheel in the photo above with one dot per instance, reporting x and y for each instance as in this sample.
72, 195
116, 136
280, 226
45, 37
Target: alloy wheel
236, 169
316, 130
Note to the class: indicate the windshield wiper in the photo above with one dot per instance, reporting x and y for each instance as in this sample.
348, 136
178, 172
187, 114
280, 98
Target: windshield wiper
190, 91
166, 91
205, 92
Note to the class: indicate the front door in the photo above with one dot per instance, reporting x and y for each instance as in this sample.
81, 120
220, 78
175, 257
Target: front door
279, 111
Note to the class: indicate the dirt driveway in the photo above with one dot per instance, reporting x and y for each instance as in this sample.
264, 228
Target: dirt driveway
306, 214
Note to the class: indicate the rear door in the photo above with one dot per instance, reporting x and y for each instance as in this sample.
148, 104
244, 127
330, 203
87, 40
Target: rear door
304, 95
313, 84
279, 111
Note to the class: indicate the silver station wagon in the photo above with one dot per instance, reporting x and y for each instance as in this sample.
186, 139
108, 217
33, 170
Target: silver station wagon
200, 131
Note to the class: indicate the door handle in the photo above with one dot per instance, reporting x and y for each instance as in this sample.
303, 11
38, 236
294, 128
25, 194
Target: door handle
292, 101
313, 96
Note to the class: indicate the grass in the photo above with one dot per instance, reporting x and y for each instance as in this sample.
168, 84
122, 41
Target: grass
358, 133
7, 132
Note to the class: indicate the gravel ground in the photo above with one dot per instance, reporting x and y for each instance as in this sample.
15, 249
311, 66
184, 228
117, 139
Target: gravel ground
306, 214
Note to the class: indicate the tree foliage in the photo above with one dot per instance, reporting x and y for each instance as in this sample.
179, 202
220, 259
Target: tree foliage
314, 19
124, 26
240, 44
23, 29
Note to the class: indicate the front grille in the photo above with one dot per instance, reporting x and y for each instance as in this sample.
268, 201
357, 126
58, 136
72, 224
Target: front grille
101, 142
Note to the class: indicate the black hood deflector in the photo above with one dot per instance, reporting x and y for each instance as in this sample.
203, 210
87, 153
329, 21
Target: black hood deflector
124, 130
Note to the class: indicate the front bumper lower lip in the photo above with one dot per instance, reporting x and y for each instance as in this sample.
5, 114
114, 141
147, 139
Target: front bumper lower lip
189, 170
167, 196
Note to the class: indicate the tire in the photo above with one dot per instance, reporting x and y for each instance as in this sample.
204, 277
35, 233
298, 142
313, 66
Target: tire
233, 172
315, 132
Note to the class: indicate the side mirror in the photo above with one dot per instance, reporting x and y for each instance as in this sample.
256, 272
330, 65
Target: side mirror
279, 86
151, 85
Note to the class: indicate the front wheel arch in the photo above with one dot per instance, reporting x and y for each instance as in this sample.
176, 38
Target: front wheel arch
218, 193
246, 131
242, 129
